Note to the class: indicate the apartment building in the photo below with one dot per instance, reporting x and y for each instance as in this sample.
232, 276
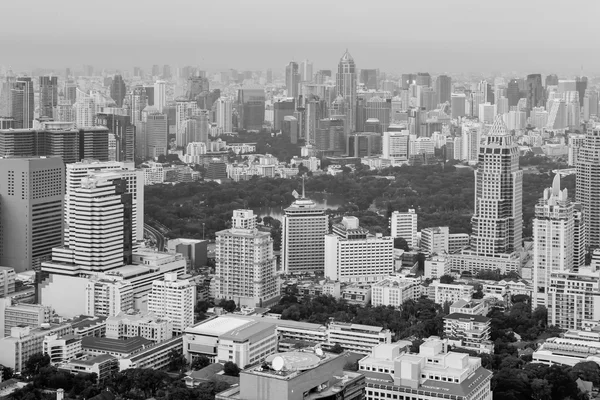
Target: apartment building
173, 299
394, 291
145, 324
404, 225
468, 331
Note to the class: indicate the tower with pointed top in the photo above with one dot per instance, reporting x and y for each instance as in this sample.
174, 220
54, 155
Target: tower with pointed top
346, 87
497, 223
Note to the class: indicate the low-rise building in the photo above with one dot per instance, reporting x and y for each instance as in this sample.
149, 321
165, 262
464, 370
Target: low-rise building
565, 351
155, 357
355, 337
469, 331
20, 314
436, 267
85, 325
433, 373
451, 292
394, 291
120, 348
61, 349
104, 366
357, 294
134, 324
7, 281
470, 307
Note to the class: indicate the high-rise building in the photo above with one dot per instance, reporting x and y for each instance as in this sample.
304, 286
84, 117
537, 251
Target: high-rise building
368, 77
306, 71
155, 70
48, 96
553, 240
155, 135
245, 266
498, 219
407, 80
160, 95
535, 91
118, 90
251, 107
108, 297
292, 79
85, 110
588, 184
138, 101
581, 86
304, 227
443, 89
186, 109
31, 217
100, 227
352, 254
513, 93
195, 86
590, 105
329, 136
166, 72
174, 299
395, 146
6, 94
380, 109
70, 92
224, 114
551, 80
423, 79
281, 109
458, 105
22, 103
120, 126
404, 225
346, 87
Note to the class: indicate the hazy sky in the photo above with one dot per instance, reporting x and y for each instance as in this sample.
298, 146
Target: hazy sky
394, 35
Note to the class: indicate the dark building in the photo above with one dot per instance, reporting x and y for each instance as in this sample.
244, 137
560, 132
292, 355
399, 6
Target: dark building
535, 91
581, 86
71, 92
363, 144
290, 128
124, 131
269, 76
368, 77
149, 95
166, 72
443, 89
407, 80
551, 80
282, 109
513, 92
118, 89
330, 136
251, 107
195, 86
216, 170
73, 145
23, 106
423, 79
48, 95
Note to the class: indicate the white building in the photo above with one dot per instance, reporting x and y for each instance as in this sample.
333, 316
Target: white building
153, 173
469, 331
354, 255
443, 292
404, 225
184, 110
436, 267
563, 351
174, 299
434, 240
394, 291
245, 266
224, 115
194, 152
433, 373
61, 348
396, 146
160, 95
132, 324
487, 113
108, 297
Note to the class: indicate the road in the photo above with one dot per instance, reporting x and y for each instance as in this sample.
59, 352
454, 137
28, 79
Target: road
158, 237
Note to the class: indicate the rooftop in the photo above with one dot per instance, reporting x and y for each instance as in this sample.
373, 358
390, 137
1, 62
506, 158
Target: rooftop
245, 332
218, 326
126, 346
471, 317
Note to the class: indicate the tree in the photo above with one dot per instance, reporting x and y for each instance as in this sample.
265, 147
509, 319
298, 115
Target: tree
228, 305
587, 371
177, 361
478, 294
200, 362
541, 389
337, 349
351, 366
400, 243
35, 363
7, 373
446, 279
231, 369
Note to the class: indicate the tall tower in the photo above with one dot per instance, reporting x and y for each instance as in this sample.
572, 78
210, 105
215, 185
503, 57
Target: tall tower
443, 89
160, 95
22, 102
346, 87
155, 135
48, 95
588, 184
292, 79
120, 126
31, 217
553, 239
304, 227
118, 89
535, 91
245, 264
497, 223
224, 115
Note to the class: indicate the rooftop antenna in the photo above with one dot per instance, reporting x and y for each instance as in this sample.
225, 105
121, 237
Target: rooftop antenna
303, 186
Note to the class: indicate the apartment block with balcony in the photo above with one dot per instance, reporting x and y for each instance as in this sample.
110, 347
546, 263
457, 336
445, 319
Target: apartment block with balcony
61, 349
469, 331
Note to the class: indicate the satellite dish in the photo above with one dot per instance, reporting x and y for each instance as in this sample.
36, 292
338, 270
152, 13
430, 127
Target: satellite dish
319, 352
278, 363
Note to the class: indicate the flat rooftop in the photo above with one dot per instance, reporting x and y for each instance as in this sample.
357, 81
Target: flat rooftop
245, 332
218, 326
126, 346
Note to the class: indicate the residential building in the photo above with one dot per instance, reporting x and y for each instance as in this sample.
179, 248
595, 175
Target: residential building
174, 299
468, 331
108, 297
245, 266
160, 95
7, 281
434, 240
433, 373
298, 376
304, 226
404, 225
21, 314
224, 114
145, 324
449, 292
588, 185
394, 291
31, 217
354, 255
24, 342
61, 348
292, 79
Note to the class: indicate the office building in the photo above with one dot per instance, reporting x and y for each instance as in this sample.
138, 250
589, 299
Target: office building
194, 251
22, 103
118, 90
395, 146
443, 89
48, 96
31, 217
106, 297
394, 291
196, 85
155, 131
290, 128
330, 136
174, 299
138, 101
404, 225
487, 113
298, 375
433, 373
282, 108
160, 95
354, 255
346, 87
368, 77
245, 266
14, 314
458, 105
24, 342
100, 208
61, 348
434, 240
224, 115
304, 227
588, 184
292, 80
590, 105
251, 107
120, 126
498, 219
131, 324
535, 91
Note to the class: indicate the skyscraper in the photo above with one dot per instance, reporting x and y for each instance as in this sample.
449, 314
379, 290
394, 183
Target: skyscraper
304, 227
155, 135
346, 87
22, 102
535, 92
368, 77
513, 93
224, 113
124, 131
497, 223
292, 79
588, 184
195, 86
306, 71
118, 90
185, 109
551, 80
245, 266
48, 96
138, 100
31, 216
173, 299
160, 95
443, 89
281, 109
423, 79
251, 107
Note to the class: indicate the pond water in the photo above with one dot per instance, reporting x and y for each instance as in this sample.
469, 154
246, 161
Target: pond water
324, 200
